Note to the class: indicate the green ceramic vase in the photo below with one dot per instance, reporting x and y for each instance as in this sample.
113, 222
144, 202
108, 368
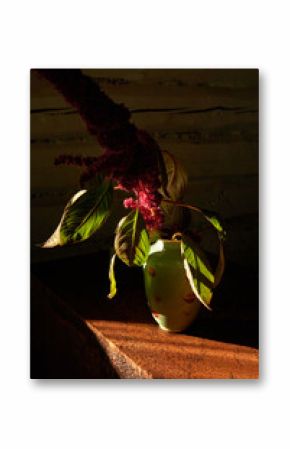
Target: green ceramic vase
170, 298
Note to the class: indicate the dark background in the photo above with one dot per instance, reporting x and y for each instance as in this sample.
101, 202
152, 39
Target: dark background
209, 120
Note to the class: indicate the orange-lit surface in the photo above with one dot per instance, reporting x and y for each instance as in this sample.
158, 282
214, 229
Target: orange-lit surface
157, 354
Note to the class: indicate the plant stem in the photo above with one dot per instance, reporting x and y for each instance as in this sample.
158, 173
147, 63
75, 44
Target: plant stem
212, 220
177, 203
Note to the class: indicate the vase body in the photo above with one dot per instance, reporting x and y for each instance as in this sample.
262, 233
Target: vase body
170, 298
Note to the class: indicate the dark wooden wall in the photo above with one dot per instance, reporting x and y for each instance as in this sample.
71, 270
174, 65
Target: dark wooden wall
207, 118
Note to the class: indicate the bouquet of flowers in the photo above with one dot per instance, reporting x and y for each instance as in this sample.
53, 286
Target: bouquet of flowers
132, 161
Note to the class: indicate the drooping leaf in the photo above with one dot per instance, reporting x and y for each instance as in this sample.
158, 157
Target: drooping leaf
87, 214
83, 215
174, 217
213, 219
113, 284
198, 271
215, 222
176, 177
209, 216
132, 241
55, 239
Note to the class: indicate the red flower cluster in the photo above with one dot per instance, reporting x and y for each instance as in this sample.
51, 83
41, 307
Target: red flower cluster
131, 156
149, 205
142, 178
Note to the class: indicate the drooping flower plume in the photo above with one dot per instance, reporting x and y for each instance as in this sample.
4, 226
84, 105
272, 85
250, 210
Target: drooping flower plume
131, 156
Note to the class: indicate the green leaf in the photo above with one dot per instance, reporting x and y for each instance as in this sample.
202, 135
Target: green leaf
198, 271
87, 214
216, 223
55, 238
113, 284
83, 215
212, 218
132, 241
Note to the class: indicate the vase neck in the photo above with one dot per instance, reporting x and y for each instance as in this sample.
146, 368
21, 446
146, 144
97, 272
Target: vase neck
165, 245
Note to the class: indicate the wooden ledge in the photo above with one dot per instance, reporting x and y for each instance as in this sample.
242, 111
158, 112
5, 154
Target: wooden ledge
144, 351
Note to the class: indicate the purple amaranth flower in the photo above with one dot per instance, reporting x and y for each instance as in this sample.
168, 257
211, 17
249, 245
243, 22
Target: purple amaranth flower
130, 155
